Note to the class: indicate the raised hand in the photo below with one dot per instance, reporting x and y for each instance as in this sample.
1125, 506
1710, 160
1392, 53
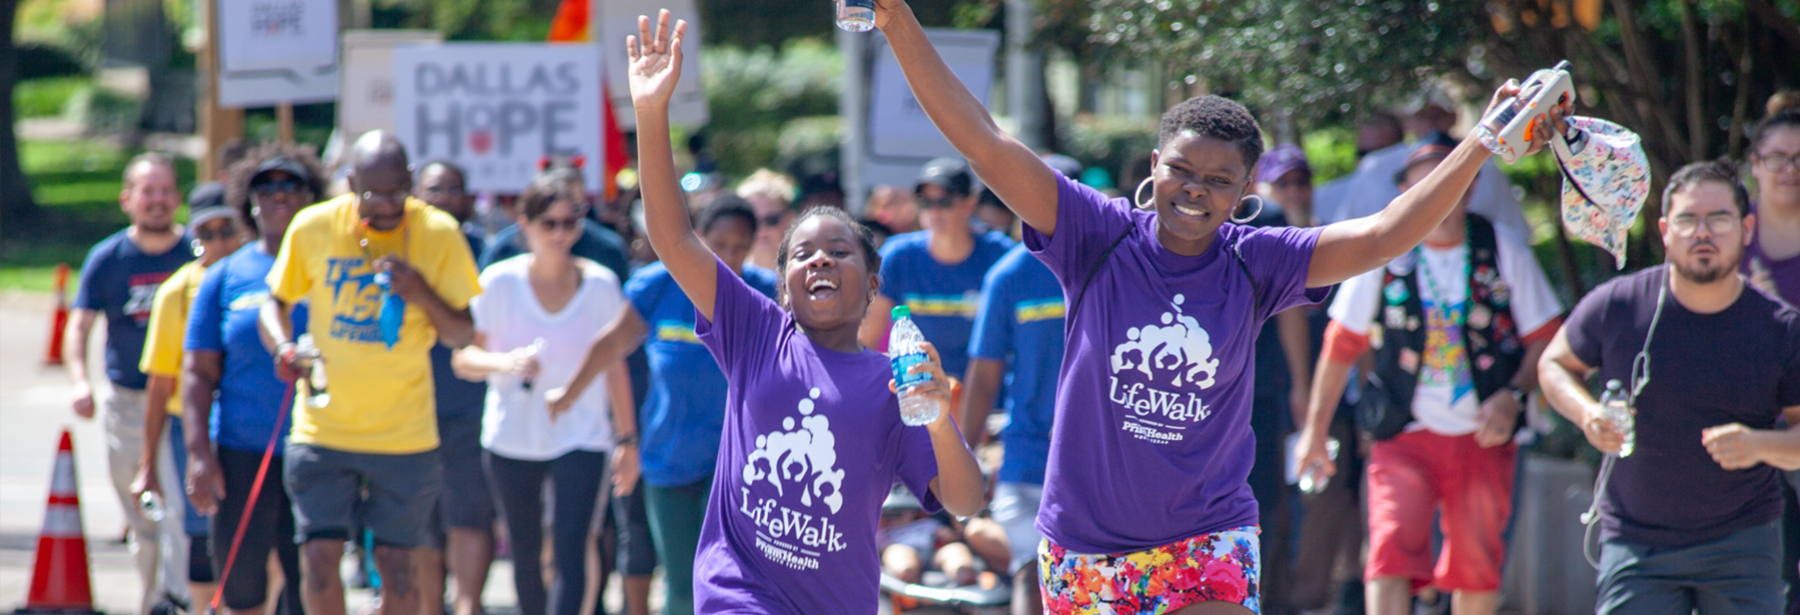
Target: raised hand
655, 60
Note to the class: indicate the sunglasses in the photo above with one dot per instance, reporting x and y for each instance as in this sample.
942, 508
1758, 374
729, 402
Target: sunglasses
278, 186
774, 219
553, 224
938, 203
223, 231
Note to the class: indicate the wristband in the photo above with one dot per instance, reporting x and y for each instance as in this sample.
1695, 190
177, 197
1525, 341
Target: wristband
630, 440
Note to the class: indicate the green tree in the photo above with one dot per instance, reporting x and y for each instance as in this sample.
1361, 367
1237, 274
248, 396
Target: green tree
16, 206
1687, 75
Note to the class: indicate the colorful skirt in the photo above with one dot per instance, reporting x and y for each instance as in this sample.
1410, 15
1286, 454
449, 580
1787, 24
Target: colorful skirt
1222, 566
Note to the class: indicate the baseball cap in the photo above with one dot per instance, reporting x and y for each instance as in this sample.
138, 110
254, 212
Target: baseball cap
1432, 147
283, 164
1285, 157
207, 203
951, 174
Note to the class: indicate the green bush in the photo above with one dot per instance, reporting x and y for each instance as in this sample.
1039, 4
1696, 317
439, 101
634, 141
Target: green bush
103, 111
46, 97
1110, 143
753, 95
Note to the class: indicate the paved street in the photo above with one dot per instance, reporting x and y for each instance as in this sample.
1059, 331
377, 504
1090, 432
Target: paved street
34, 409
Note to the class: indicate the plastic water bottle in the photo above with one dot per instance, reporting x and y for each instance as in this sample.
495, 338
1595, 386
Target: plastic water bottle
318, 395
1313, 479
904, 351
537, 346
856, 15
151, 506
1617, 407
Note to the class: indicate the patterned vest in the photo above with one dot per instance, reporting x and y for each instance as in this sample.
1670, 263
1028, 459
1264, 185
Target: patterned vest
1489, 333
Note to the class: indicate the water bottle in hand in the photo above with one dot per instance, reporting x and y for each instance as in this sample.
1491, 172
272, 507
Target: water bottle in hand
1616, 406
905, 351
150, 504
537, 346
856, 15
317, 395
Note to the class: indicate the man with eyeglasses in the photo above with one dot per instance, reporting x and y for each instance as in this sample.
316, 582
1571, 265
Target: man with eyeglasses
462, 526
1688, 520
387, 277
119, 280
937, 272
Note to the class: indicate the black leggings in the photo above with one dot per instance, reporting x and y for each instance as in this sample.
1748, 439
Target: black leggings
271, 529
519, 489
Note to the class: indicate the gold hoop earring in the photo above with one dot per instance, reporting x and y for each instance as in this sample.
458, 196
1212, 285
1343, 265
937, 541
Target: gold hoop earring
1137, 197
1253, 215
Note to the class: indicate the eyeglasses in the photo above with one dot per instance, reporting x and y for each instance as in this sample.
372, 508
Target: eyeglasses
388, 196
1716, 224
223, 231
1775, 163
278, 186
554, 224
774, 219
937, 203
444, 190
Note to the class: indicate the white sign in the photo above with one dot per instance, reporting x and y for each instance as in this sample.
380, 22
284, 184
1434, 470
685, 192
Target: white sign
901, 137
496, 109
274, 51
619, 19
367, 92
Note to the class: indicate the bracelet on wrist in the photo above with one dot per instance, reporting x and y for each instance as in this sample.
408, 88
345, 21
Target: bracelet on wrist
630, 440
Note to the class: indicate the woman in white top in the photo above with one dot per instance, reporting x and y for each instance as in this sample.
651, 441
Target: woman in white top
533, 322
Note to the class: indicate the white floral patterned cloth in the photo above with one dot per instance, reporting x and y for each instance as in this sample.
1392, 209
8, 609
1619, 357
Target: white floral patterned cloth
1606, 179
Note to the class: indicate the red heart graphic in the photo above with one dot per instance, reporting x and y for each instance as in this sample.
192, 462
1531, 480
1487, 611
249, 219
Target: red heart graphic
481, 141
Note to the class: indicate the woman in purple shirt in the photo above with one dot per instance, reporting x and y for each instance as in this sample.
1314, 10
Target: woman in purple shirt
812, 439
1145, 503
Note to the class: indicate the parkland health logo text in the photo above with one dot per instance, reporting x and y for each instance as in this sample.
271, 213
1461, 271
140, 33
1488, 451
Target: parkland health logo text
800, 464
1176, 354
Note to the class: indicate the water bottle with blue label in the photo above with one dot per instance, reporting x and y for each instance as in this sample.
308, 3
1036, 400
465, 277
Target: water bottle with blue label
904, 351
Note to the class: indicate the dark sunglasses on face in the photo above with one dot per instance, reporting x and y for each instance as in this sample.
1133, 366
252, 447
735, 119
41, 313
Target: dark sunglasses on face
773, 219
938, 203
224, 231
552, 224
277, 186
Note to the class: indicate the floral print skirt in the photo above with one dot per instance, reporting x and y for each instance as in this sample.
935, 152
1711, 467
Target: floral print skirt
1221, 566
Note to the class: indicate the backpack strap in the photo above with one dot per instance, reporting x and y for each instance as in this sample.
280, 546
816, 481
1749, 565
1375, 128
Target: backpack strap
1094, 270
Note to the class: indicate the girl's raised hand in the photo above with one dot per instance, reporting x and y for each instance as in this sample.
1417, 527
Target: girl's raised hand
655, 60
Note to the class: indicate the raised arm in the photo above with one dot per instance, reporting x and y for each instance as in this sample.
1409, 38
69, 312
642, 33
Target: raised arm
1351, 247
655, 69
1015, 173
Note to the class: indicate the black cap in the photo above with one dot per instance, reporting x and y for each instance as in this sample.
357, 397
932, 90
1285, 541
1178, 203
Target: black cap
1432, 147
283, 164
206, 203
951, 174
1069, 167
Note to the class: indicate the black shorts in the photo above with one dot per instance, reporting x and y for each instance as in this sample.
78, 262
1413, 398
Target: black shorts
466, 502
271, 527
390, 495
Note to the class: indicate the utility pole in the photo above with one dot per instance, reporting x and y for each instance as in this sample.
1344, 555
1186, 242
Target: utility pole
1024, 76
217, 125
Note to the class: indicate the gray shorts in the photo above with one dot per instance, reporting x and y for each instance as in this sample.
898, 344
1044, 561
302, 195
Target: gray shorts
1015, 508
1740, 573
392, 495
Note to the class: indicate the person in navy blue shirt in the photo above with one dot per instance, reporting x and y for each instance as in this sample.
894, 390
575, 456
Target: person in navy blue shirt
119, 280
937, 272
682, 418
1018, 343
463, 528
231, 386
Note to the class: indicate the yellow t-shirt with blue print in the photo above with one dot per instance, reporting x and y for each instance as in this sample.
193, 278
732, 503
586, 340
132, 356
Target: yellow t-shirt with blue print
381, 398
163, 352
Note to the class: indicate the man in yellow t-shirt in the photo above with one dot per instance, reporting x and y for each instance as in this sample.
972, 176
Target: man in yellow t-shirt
387, 277
217, 234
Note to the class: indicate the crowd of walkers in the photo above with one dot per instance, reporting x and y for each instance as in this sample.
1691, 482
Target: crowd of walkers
1130, 385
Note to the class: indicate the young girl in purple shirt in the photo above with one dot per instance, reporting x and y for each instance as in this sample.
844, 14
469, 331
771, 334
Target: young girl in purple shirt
1145, 505
812, 439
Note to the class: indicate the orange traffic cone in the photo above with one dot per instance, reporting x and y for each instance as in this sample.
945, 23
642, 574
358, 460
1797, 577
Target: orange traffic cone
59, 583
54, 355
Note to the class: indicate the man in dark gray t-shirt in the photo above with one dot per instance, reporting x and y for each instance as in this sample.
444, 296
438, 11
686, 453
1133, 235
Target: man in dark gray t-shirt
1689, 518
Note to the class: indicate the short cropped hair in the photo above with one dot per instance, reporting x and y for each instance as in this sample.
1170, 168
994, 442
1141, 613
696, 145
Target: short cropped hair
1722, 171
1219, 118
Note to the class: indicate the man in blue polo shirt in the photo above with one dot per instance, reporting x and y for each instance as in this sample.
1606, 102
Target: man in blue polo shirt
119, 280
937, 272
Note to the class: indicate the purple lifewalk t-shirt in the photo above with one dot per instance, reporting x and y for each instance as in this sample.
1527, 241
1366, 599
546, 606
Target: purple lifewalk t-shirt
812, 444
1152, 441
